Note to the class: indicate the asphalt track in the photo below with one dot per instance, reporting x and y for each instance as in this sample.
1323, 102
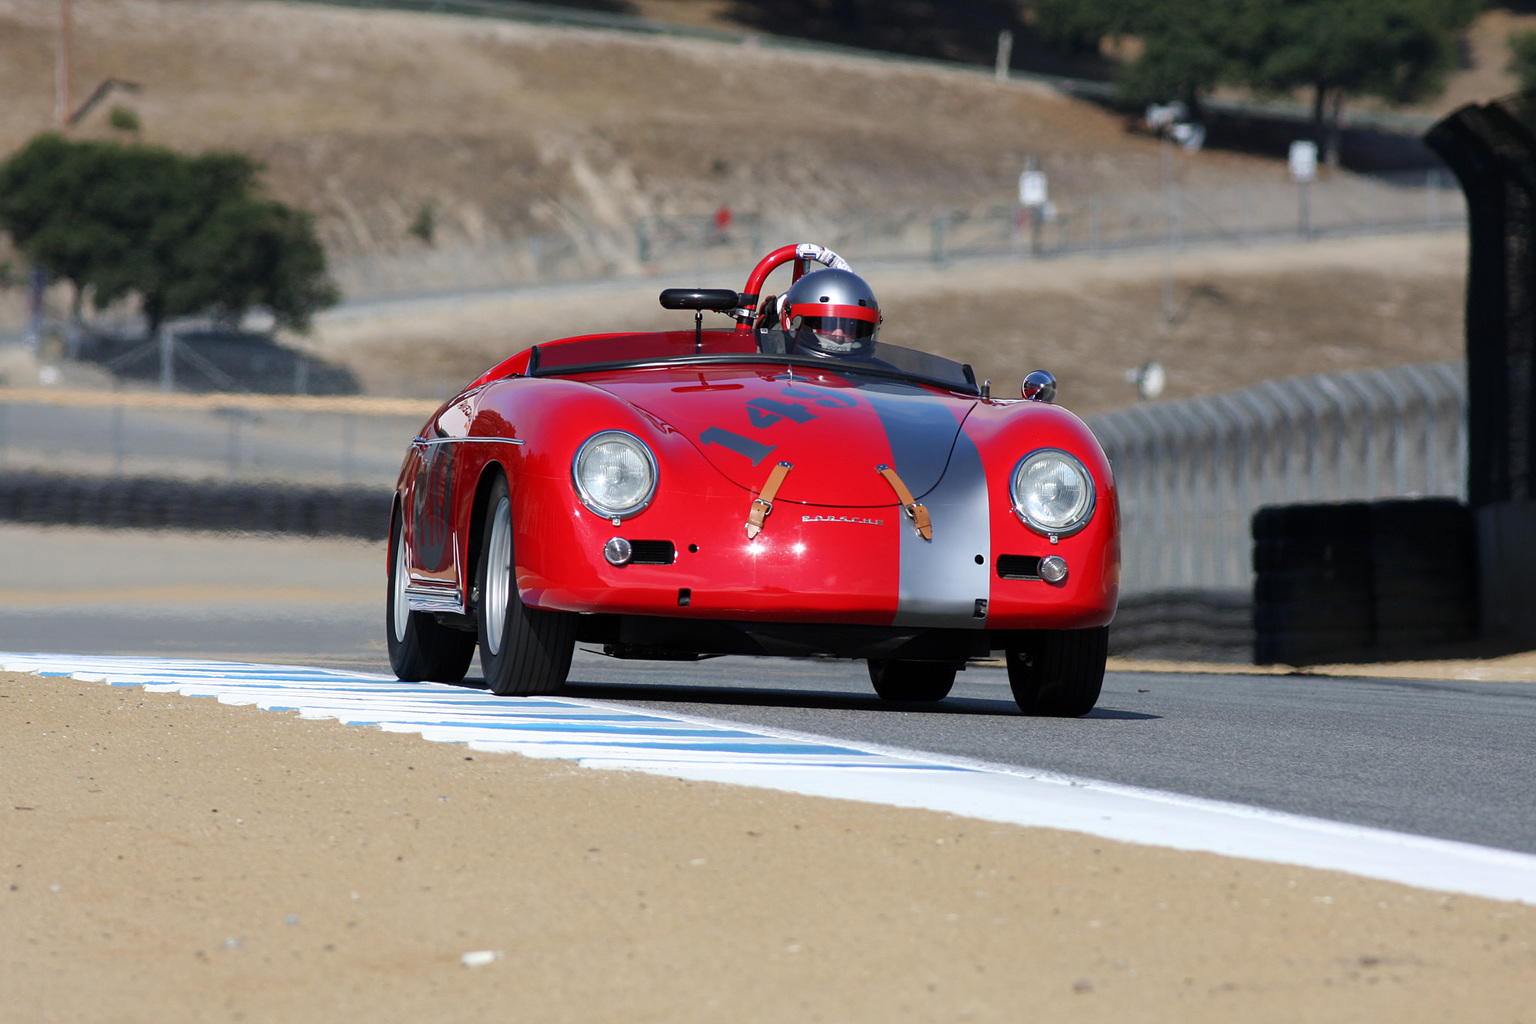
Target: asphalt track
1450, 760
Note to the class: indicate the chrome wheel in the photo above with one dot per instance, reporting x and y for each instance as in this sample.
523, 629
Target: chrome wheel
498, 575
400, 608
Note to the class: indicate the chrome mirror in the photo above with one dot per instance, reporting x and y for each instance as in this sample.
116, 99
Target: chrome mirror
1040, 386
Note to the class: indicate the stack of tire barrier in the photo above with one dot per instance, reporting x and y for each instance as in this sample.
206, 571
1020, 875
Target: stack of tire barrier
1362, 581
1184, 625
156, 503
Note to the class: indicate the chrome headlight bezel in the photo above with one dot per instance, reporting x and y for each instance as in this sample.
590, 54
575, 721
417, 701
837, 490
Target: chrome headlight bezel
1082, 517
591, 501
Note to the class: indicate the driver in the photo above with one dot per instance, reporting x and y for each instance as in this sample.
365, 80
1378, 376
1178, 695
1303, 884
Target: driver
831, 313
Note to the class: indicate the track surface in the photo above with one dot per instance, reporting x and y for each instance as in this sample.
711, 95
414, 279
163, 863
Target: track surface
1450, 760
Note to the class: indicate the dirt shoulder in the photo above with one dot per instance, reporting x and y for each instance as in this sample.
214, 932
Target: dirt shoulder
173, 859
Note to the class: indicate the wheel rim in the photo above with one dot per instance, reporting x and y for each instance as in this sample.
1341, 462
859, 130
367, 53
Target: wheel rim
400, 607
498, 575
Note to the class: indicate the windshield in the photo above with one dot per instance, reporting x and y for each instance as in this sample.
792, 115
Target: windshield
617, 351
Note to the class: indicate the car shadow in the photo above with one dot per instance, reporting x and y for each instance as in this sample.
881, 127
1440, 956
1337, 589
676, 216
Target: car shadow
815, 700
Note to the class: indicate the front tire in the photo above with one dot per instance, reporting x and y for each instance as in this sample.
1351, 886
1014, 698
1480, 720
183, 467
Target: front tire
1058, 672
911, 680
523, 651
420, 647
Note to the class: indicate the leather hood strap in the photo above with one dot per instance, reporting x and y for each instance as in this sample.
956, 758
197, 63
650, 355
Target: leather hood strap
763, 503
915, 512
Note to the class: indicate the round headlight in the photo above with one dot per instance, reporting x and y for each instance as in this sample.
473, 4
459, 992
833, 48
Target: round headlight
615, 474
1052, 492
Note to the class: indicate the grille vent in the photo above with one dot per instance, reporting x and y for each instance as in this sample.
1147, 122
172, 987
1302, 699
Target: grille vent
661, 552
1018, 567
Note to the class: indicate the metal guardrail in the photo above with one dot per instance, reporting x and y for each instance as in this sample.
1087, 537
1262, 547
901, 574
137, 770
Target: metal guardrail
1191, 474
295, 439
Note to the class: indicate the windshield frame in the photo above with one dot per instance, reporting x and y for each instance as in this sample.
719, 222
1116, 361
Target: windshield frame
846, 367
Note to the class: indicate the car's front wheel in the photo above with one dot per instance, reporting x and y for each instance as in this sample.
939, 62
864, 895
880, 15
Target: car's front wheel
420, 647
523, 650
911, 680
1058, 672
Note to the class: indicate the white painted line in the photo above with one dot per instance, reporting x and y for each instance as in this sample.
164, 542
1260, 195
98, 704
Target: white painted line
601, 735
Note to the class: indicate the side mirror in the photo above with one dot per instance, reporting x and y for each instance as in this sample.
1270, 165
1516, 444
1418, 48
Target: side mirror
1040, 386
721, 300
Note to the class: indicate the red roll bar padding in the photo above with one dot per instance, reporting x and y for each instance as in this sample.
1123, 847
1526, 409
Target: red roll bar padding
746, 312
767, 265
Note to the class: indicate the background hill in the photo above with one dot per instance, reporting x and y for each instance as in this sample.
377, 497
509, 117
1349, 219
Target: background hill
500, 132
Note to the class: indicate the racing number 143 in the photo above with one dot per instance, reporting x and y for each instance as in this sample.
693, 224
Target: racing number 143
765, 412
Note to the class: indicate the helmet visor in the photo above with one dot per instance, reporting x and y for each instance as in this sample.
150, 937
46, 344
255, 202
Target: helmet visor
839, 327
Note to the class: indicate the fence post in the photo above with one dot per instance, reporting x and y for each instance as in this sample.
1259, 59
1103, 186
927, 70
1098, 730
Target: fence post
233, 447
119, 446
1399, 400
348, 444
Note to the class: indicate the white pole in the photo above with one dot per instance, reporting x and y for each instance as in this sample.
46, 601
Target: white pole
1004, 53
61, 68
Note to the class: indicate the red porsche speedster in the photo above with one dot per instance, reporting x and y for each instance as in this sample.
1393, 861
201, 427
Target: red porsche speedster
679, 494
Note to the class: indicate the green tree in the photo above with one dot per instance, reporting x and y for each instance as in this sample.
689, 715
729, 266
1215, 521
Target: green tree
186, 234
1522, 59
1180, 53
1399, 50
960, 30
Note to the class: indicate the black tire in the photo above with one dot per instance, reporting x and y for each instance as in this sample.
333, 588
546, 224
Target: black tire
911, 680
1058, 672
420, 647
523, 651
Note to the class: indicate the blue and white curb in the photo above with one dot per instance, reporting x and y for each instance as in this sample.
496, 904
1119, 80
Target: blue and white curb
601, 735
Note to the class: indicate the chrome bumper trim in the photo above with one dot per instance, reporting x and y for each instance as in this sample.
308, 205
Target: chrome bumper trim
434, 599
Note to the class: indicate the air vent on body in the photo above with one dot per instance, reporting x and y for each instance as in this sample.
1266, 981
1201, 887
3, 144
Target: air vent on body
1017, 567
661, 552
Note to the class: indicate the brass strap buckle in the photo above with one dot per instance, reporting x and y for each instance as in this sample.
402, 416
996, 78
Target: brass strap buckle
914, 509
763, 503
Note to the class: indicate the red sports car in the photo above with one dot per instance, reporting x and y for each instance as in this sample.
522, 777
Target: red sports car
789, 486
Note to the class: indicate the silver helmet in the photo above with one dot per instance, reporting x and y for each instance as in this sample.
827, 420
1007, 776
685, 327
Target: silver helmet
831, 312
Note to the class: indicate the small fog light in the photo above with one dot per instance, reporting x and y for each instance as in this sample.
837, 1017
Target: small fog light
618, 551
1053, 568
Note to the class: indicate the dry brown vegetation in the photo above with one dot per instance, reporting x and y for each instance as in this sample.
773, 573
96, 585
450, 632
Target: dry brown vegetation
506, 129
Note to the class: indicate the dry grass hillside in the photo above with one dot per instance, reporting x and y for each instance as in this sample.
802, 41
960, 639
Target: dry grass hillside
507, 129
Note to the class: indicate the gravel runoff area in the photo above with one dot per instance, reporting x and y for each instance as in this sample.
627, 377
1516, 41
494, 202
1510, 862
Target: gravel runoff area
174, 859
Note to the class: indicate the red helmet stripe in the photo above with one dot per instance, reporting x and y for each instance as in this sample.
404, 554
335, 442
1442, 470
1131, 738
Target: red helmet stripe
833, 309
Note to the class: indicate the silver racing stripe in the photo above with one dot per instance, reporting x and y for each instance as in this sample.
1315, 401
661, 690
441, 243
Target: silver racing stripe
940, 580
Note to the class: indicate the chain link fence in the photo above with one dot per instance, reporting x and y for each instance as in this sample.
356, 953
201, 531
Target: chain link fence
1172, 219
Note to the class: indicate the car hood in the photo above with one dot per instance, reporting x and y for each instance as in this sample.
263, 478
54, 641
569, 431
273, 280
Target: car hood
833, 429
